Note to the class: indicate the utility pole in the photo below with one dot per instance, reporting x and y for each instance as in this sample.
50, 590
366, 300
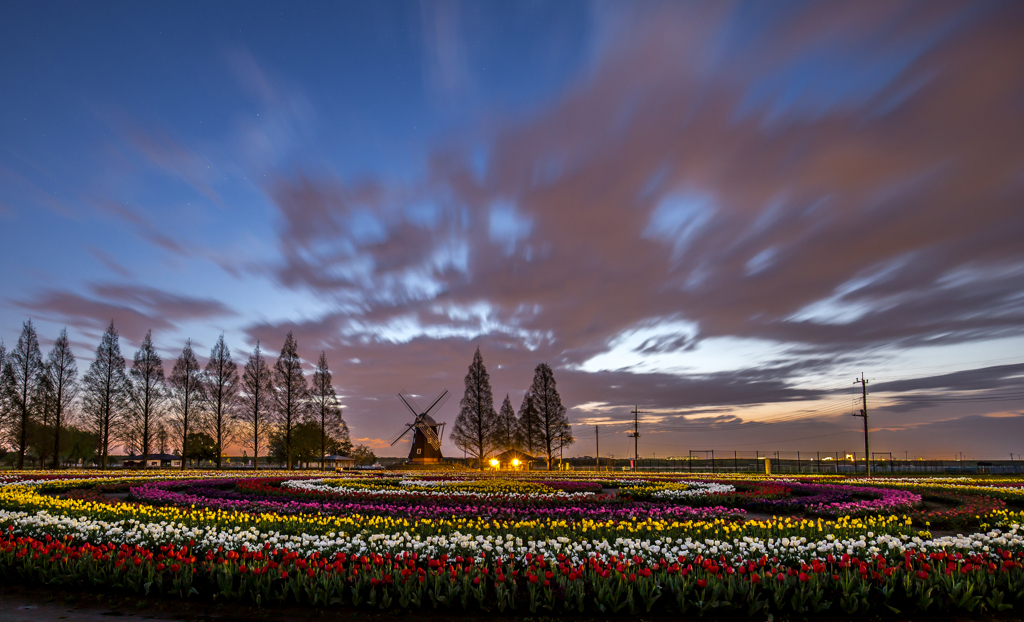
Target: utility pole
597, 441
864, 413
635, 435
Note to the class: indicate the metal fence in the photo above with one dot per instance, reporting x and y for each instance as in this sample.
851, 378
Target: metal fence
800, 462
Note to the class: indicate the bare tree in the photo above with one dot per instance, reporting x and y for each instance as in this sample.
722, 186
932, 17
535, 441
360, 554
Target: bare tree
62, 372
528, 430
506, 433
21, 376
290, 393
148, 392
325, 406
222, 385
255, 399
105, 389
555, 430
44, 408
473, 431
162, 437
187, 393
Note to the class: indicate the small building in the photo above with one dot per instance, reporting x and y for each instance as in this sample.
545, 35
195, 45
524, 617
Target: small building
339, 462
153, 461
513, 460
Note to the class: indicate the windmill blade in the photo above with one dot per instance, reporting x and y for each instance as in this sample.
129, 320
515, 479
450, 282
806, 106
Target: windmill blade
429, 434
439, 402
411, 409
440, 431
398, 437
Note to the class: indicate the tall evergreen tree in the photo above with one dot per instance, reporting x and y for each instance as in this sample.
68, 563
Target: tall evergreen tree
529, 426
105, 393
21, 376
256, 399
555, 430
473, 431
290, 393
148, 393
62, 371
506, 433
187, 393
222, 385
327, 410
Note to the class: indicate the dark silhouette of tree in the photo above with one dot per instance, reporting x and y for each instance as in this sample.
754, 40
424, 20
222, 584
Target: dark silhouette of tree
62, 373
363, 455
555, 430
40, 430
306, 443
148, 393
105, 393
255, 401
162, 437
222, 385
327, 410
187, 394
529, 426
21, 374
290, 393
506, 432
473, 431
201, 446
78, 445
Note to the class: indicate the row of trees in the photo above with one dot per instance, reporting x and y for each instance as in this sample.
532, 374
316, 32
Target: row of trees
197, 411
541, 427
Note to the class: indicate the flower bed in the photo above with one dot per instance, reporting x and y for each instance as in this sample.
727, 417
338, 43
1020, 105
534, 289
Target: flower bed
263, 495
841, 500
534, 544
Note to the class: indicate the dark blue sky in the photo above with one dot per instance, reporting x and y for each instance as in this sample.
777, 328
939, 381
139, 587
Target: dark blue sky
721, 212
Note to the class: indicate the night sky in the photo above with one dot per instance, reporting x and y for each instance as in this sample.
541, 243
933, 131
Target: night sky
719, 212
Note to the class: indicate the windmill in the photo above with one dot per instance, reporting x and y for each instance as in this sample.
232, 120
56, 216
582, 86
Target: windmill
426, 441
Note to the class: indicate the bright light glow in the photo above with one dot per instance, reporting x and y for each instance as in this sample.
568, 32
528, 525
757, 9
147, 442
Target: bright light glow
515, 462
494, 462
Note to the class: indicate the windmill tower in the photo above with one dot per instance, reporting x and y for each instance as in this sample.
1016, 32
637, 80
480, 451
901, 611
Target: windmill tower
427, 433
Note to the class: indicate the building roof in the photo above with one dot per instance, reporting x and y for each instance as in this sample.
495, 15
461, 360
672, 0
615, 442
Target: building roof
154, 457
337, 458
514, 453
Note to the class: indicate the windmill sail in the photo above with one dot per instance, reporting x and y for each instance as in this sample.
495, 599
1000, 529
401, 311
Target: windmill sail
426, 441
432, 438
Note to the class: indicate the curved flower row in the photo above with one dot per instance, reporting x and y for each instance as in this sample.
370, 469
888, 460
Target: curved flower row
840, 500
214, 494
427, 489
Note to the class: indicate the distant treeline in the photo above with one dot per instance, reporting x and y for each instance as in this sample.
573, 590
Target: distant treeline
50, 415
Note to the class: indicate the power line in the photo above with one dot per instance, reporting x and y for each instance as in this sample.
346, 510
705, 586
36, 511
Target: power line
802, 438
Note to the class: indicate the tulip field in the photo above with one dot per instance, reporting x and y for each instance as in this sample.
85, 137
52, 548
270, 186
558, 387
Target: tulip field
525, 543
